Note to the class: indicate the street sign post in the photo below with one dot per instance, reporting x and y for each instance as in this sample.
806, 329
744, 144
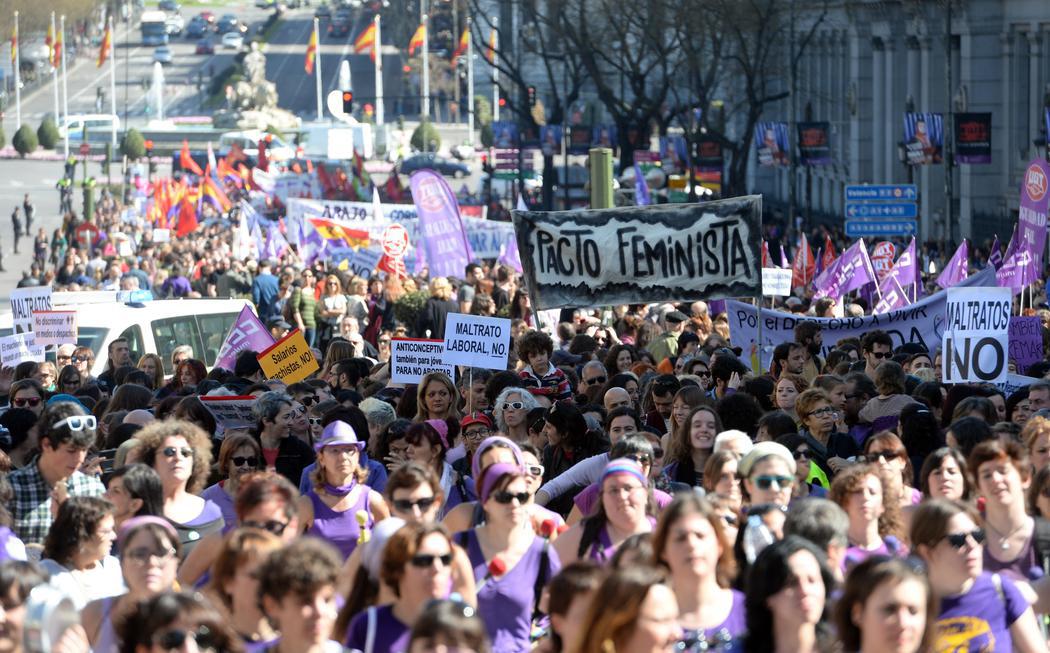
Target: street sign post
890, 192
881, 210
871, 228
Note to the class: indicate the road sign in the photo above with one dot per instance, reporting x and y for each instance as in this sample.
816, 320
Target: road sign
866, 228
882, 210
882, 192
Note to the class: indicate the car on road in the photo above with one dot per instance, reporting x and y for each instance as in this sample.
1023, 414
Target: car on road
323, 11
341, 23
197, 27
430, 161
162, 54
174, 24
205, 46
169, 5
95, 123
229, 23
232, 41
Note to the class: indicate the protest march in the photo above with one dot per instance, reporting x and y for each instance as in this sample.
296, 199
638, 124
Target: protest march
360, 416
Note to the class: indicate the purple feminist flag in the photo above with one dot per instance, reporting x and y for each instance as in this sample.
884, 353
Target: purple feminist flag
246, 333
957, 268
906, 269
995, 256
891, 295
850, 271
442, 236
1021, 266
1018, 271
641, 188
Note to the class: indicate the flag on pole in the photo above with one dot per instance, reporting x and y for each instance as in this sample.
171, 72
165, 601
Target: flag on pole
311, 52
767, 262
366, 41
107, 43
803, 267
641, 188
995, 257
14, 45
417, 39
49, 40
56, 56
186, 160
957, 268
490, 52
829, 252
464, 44
784, 265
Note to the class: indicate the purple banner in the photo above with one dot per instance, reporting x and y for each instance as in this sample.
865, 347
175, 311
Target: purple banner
1025, 253
850, 271
443, 238
1026, 342
247, 333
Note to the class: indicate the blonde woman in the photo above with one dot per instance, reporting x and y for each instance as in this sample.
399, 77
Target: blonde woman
431, 321
152, 365
332, 309
436, 398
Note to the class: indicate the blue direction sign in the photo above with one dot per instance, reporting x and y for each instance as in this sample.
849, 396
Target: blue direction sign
865, 228
883, 192
882, 210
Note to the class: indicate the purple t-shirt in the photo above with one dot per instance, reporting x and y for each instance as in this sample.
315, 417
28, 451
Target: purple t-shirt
340, 528
588, 498
390, 635
730, 630
1024, 567
505, 604
890, 546
979, 620
218, 496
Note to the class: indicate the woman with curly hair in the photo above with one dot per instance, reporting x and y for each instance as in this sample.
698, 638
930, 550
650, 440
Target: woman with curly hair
168, 622
180, 453
875, 526
76, 551
620, 359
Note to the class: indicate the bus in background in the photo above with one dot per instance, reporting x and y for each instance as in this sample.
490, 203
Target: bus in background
154, 28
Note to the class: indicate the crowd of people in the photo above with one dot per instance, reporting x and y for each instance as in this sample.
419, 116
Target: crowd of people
627, 484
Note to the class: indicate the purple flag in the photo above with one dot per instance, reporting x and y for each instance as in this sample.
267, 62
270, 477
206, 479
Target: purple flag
906, 269
442, 236
246, 333
1019, 270
957, 267
1011, 247
1021, 266
995, 257
641, 188
819, 262
892, 295
784, 263
850, 271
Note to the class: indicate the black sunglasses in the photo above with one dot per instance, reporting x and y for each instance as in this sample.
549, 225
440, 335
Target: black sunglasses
506, 497
169, 452
273, 526
309, 400
958, 540
176, 638
880, 354
245, 461
406, 505
423, 561
597, 379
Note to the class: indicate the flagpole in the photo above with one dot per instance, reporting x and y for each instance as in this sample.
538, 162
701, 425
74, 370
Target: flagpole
379, 73
65, 89
54, 75
18, 78
317, 69
470, 83
113, 85
495, 71
425, 113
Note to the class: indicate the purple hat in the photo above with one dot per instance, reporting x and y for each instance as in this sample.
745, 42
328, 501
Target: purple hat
338, 433
488, 443
494, 473
624, 466
136, 522
441, 426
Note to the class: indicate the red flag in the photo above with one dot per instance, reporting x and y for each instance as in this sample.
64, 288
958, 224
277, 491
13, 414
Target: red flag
187, 223
766, 261
186, 161
263, 164
804, 266
829, 252
366, 41
311, 53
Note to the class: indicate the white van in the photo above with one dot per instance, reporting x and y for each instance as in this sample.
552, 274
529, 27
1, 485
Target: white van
150, 327
277, 150
96, 123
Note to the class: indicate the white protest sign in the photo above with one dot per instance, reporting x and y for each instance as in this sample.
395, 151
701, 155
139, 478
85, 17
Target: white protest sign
976, 337
26, 300
55, 327
776, 282
231, 411
18, 348
161, 235
364, 261
476, 341
412, 358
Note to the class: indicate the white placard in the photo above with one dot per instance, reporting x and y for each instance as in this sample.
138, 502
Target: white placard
18, 348
776, 282
26, 300
55, 327
476, 341
161, 235
975, 345
412, 358
234, 411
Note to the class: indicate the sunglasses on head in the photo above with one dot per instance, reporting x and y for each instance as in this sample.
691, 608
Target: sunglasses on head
245, 461
505, 497
32, 402
423, 560
169, 452
406, 505
272, 526
958, 540
75, 422
765, 481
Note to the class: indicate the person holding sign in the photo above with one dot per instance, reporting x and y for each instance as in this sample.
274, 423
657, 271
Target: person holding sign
340, 508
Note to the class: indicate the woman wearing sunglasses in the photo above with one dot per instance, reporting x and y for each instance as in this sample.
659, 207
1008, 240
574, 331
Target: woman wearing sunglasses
149, 555
176, 622
235, 585
887, 451
339, 506
511, 563
808, 477
180, 453
979, 610
510, 410
68, 380
626, 508
768, 471
27, 394
874, 524
829, 448
417, 566
239, 455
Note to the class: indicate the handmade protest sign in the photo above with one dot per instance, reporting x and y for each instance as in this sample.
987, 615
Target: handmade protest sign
231, 411
776, 282
976, 334
55, 327
476, 341
1026, 341
364, 261
18, 348
413, 358
676, 252
26, 300
289, 359
247, 332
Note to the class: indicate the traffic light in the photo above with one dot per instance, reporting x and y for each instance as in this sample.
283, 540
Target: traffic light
348, 102
503, 101
532, 96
